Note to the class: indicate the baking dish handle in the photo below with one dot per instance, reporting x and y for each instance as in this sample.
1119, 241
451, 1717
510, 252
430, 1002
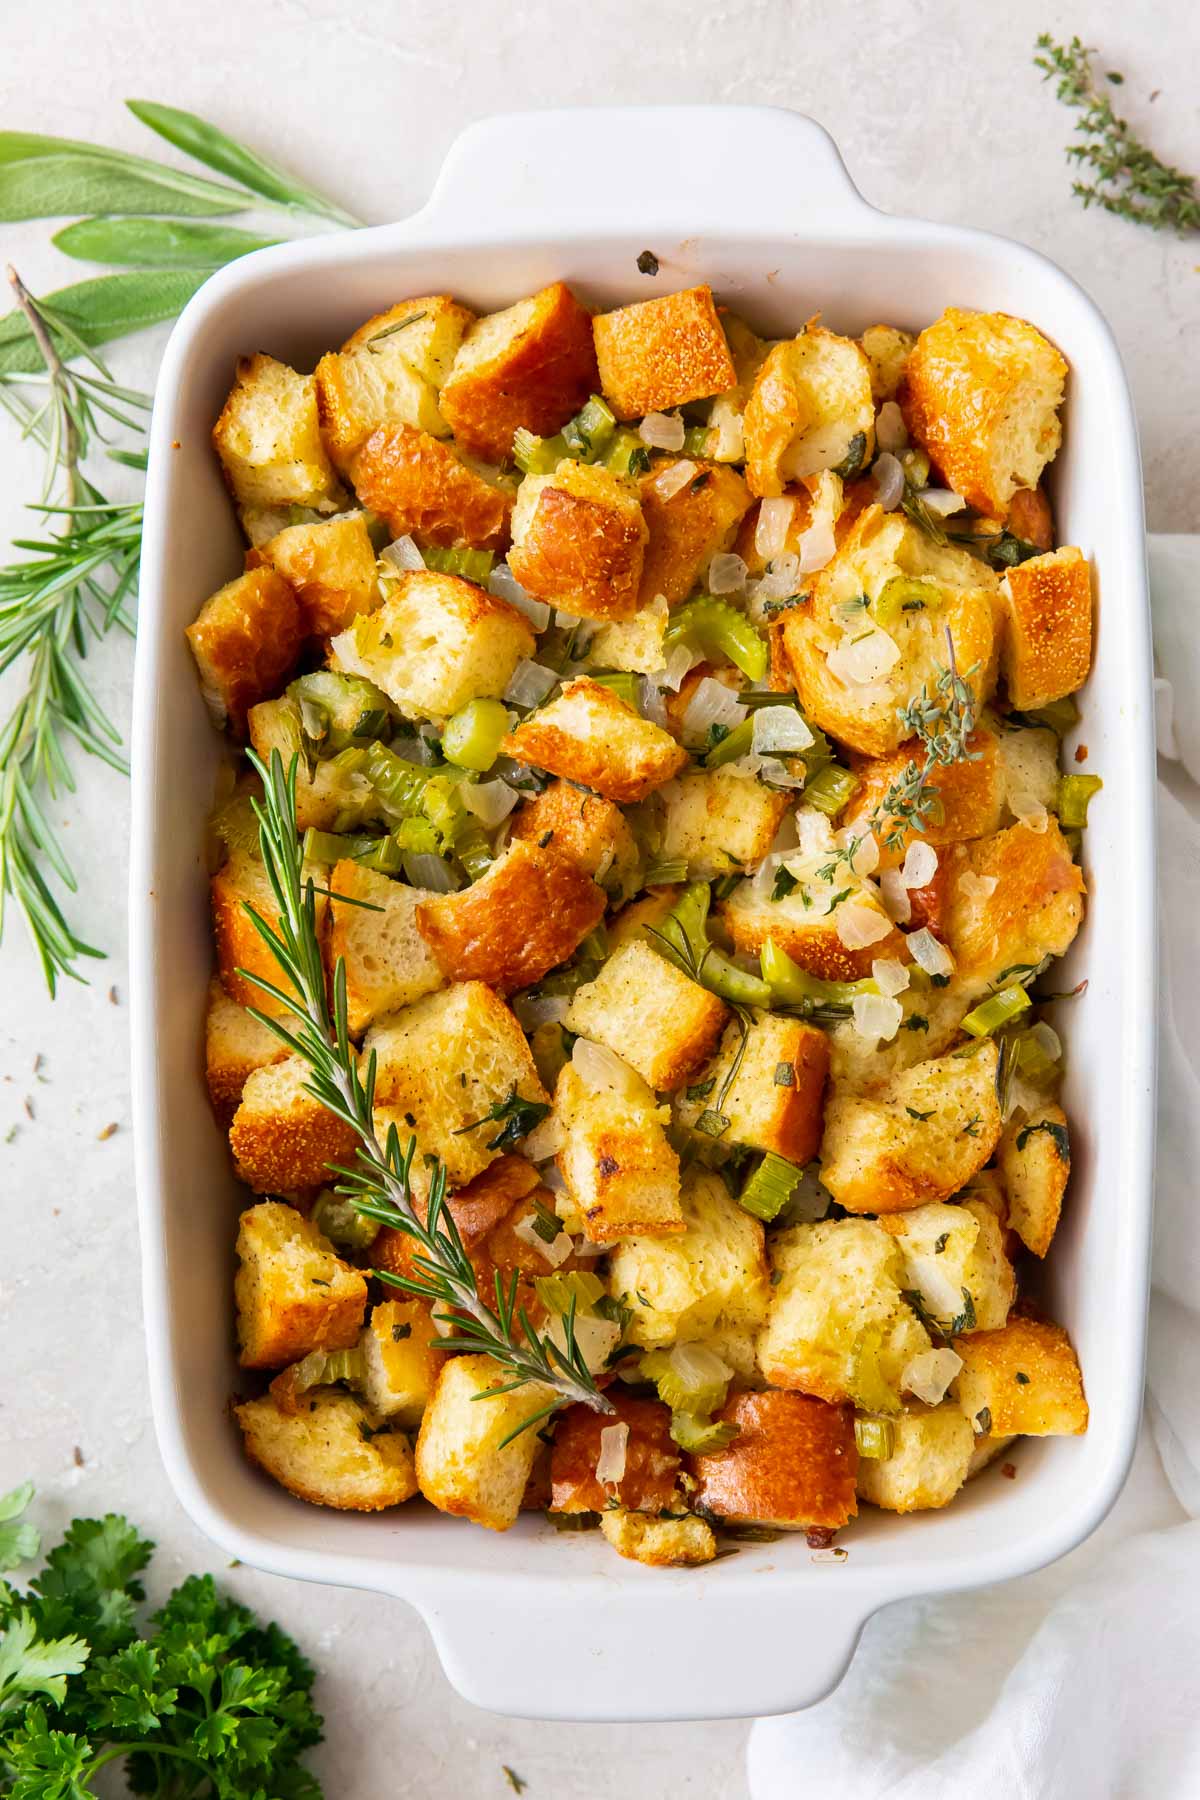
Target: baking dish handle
627, 168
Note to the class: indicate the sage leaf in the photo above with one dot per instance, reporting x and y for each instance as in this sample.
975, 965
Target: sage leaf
98, 311
157, 243
46, 177
217, 151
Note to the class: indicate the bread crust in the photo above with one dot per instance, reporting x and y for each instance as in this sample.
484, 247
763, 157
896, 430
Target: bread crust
589, 735
581, 543
687, 530
245, 639
651, 1458
423, 489
792, 1465
1047, 650
533, 365
662, 353
529, 913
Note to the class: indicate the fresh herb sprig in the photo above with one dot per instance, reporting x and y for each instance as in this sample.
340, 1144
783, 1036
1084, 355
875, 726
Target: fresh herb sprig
942, 722
1126, 177
380, 1183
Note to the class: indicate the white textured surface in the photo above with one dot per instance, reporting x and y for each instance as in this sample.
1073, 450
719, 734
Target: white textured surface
936, 111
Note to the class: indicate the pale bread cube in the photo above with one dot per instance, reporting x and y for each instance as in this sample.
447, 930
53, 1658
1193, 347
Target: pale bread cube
719, 821
529, 912
810, 409
294, 1293
389, 373
463, 1465
388, 962
1024, 1381
329, 1453
930, 1460
402, 1365
660, 1543
649, 1013
713, 1275
774, 1100
579, 540
1034, 1154
620, 1173
269, 440
284, 1141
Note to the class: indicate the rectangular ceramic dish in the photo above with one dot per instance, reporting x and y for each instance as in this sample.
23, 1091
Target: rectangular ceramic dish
534, 1622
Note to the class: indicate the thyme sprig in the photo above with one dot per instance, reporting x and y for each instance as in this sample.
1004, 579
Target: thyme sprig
379, 1185
1127, 178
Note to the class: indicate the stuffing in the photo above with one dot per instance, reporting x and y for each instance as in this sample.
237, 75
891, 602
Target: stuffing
443, 1064
792, 1464
479, 1210
327, 797
1034, 1154
242, 881
528, 913
855, 676
1024, 1380
932, 1017
819, 500
620, 1174
331, 568
420, 486
930, 1461
673, 1543
269, 440
651, 1458
435, 643
1030, 517
803, 925
514, 1248
714, 1275
836, 1324
329, 1453
463, 1464
721, 821
774, 1100
650, 1014
1047, 648
887, 350
589, 831
630, 923
401, 1363
293, 1292
388, 962
970, 796
662, 353
1029, 765
235, 1044
636, 644
726, 437
245, 639
533, 364
810, 409
579, 540
981, 394
1014, 898
283, 1140
589, 735
688, 526
389, 373
951, 1252
987, 1449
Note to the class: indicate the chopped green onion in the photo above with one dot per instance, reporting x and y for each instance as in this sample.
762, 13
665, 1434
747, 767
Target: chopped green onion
738, 986
556, 1292
903, 594
770, 1187
876, 1438
718, 629
700, 1436
621, 683
342, 1223
588, 435
831, 789
996, 1010
474, 565
472, 736
1074, 794
690, 1378
683, 934
320, 1367
627, 455
736, 743
535, 455
794, 986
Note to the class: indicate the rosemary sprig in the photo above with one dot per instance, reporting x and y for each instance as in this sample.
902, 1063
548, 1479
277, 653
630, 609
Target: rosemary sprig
1128, 179
379, 1185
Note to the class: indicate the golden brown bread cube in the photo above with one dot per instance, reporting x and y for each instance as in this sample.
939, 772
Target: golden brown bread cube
952, 1253
1034, 1154
811, 937
463, 1464
662, 353
688, 526
1033, 910
419, 486
1047, 650
1024, 1380
533, 364
650, 909
970, 795
283, 1140
478, 1210
720, 821
620, 1173
887, 349
981, 395
651, 1458
387, 960
389, 373
401, 1362
528, 913
792, 1464
269, 441
245, 639
589, 735
293, 1292
235, 1044
713, 1277
331, 567
649, 1013
330, 1452
774, 1101
240, 882
1030, 517
588, 830
930, 1460
810, 409
579, 540
672, 1543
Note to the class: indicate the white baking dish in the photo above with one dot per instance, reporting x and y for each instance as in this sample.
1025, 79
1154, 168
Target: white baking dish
756, 202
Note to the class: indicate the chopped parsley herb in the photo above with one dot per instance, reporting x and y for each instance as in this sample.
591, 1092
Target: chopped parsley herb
515, 1116
983, 1420
545, 1223
941, 1243
400, 1332
1057, 1134
1021, 1378
784, 884
916, 1022
921, 1116
701, 1089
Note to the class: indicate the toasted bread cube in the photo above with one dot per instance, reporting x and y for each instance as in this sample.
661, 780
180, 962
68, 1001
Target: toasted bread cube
1033, 910
932, 1017
637, 644
1029, 765
590, 736
714, 1275
245, 639
589, 831
681, 1543
441, 1064
532, 364
837, 1326
327, 797
1030, 517
621, 1174
242, 881
1034, 1154
528, 913
951, 1252
662, 353
887, 350
817, 500
479, 1209
235, 1044
651, 1458
514, 1248
388, 962
331, 567
792, 1464
269, 440
630, 923
330, 1453
774, 1100
283, 1140
1024, 1380
435, 643
719, 820
987, 1449
402, 1365
861, 703
809, 407
648, 1012
930, 1460
389, 374
970, 793
419, 486
726, 437
1048, 639
463, 1464
981, 395
809, 936
294, 1294
919, 1136
579, 540
688, 526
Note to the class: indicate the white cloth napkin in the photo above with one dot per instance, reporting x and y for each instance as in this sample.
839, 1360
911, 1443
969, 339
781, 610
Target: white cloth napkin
1081, 1682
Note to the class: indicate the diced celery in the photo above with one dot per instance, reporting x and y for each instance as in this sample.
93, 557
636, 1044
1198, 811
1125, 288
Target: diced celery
627, 455
383, 855
342, 1223
399, 786
736, 743
588, 435
830, 790
353, 704
875, 1438
793, 986
332, 846
621, 683
770, 1187
322, 1366
868, 1387
689, 1378
700, 1436
719, 630
535, 455
998, 1009
900, 594
665, 873
417, 836
1074, 794
472, 737
473, 565
695, 440
1059, 716
556, 1292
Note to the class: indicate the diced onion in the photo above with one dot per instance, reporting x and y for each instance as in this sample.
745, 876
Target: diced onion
542, 1009
424, 869
779, 582
942, 502
928, 1375
711, 704
1048, 1039
890, 430
403, 553
920, 864
530, 683
504, 584
551, 1176
596, 1339
675, 476
490, 801
730, 444
889, 481
545, 1140
681, 660
567, 620
876, 1016
814, 833
776, 773
976, 887
864, 659
726, 573
895, 896
696, 1366
1029, 811
779, 728
662, 431
816, 547
930, 954
555, 1252
610, 1464
602, 1071
865, 859
651, 703
860, 924
774, 520
890, 977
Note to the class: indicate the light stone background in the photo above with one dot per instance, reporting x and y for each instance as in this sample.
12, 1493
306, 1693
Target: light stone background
937, 111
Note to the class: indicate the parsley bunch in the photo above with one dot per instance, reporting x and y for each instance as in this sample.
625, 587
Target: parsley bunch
203, 1703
